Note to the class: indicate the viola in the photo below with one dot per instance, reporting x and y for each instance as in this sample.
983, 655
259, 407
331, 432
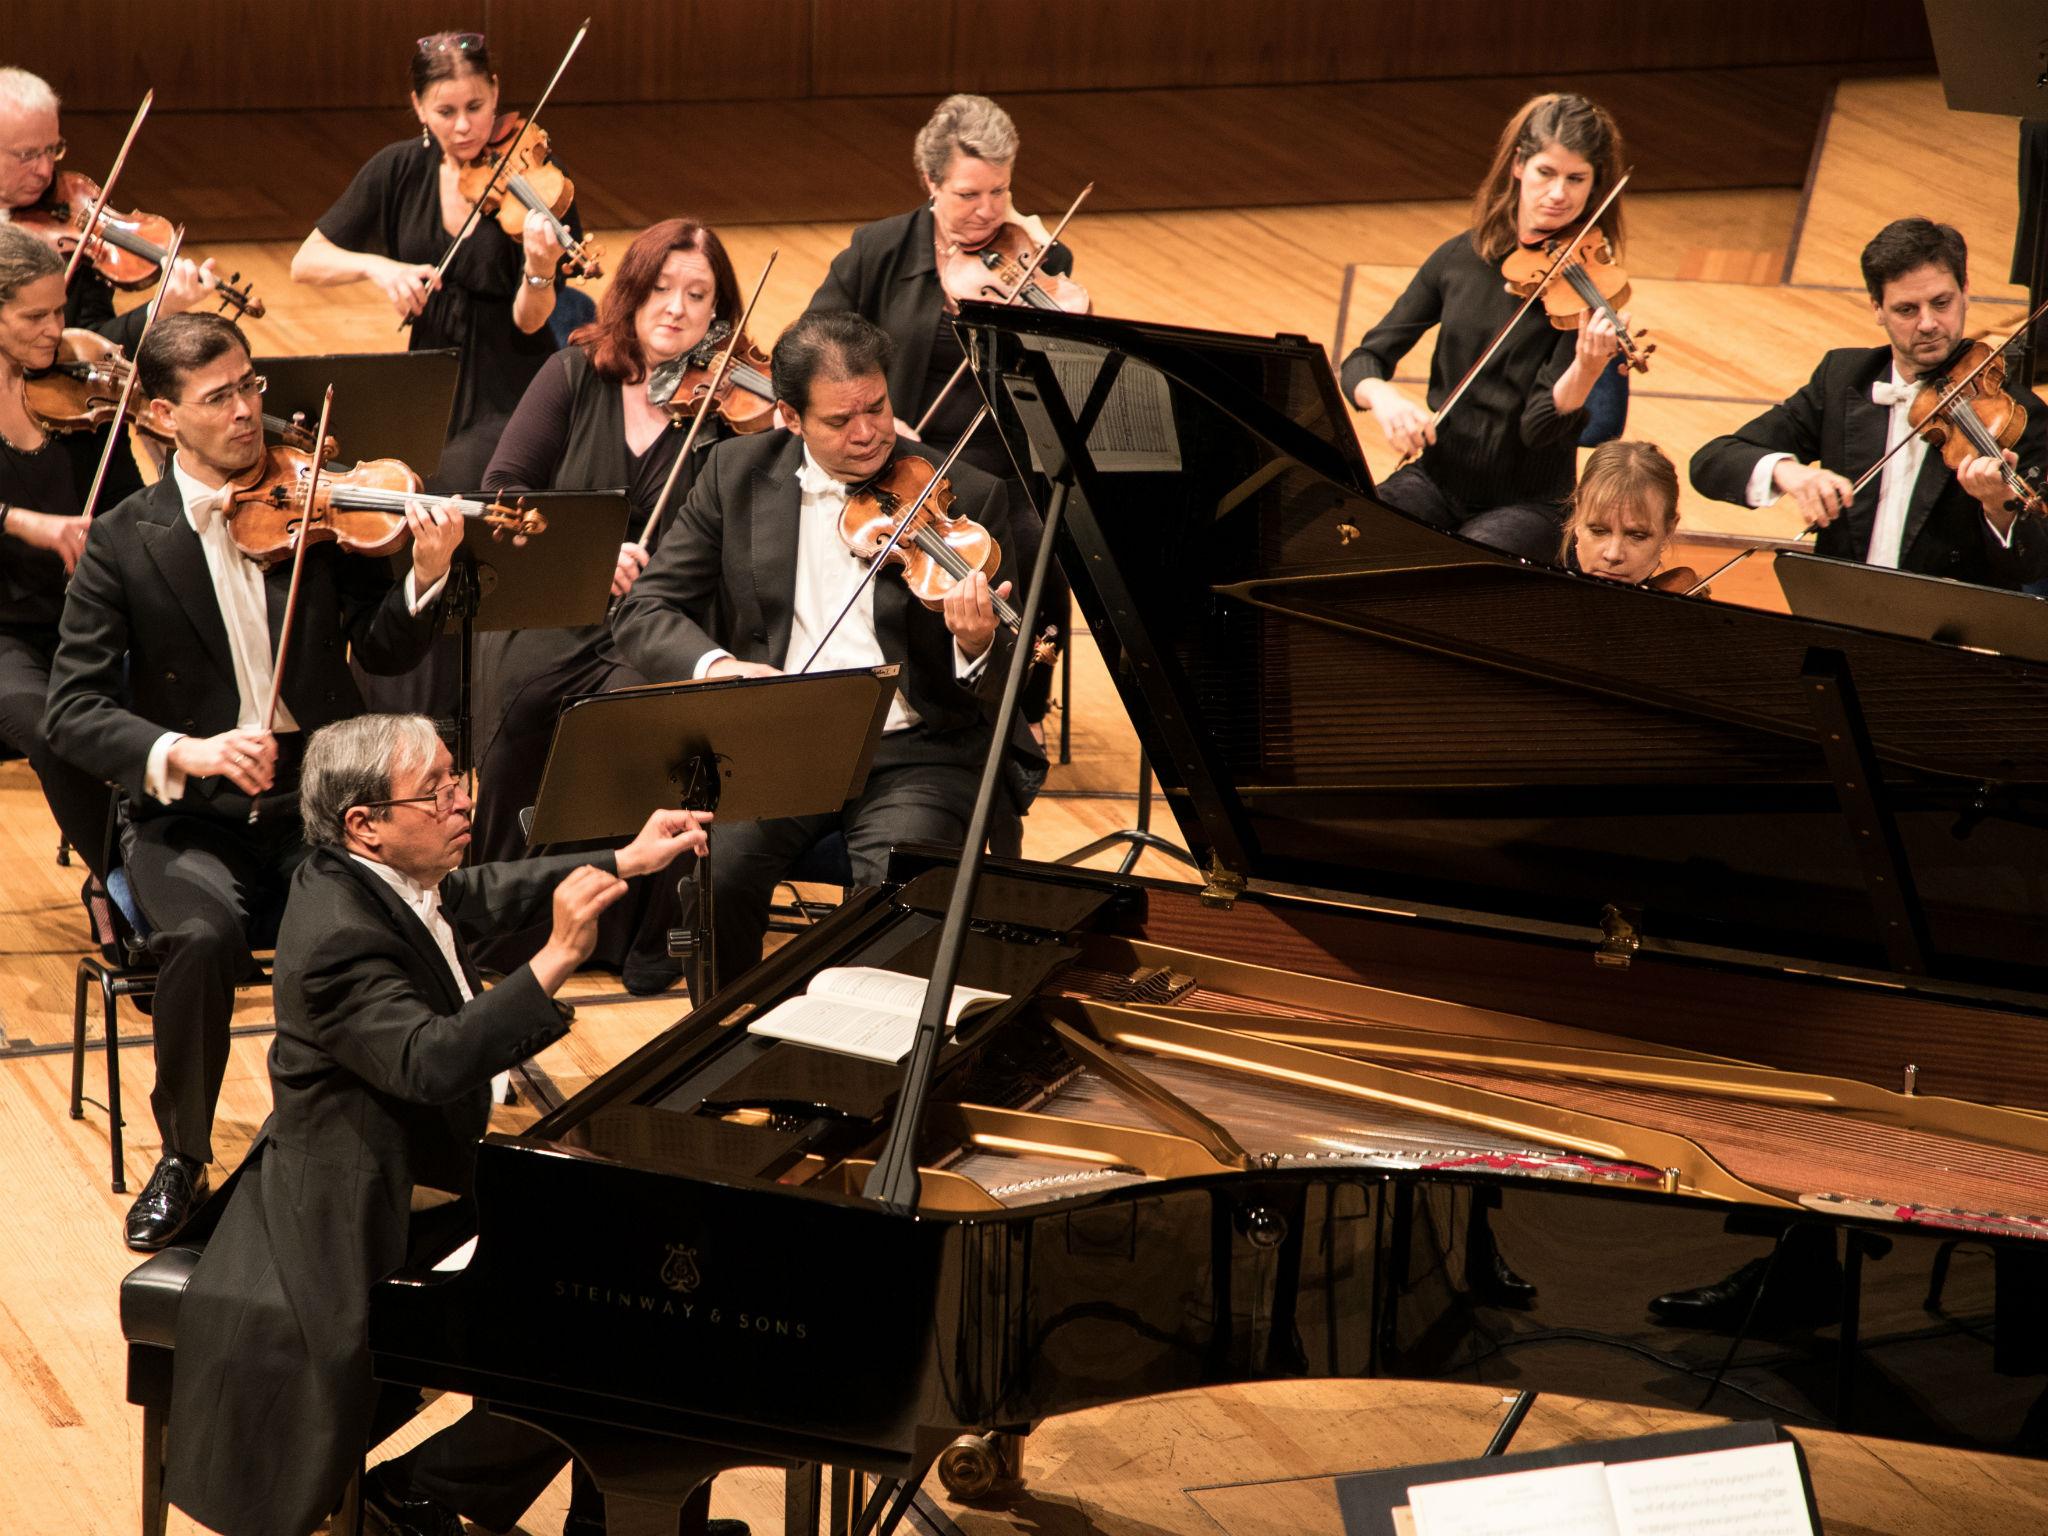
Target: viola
745, 400
127, 249
1587, 279
994, 272
362, 508
937, 550
1978, 420
81, 391
533, 183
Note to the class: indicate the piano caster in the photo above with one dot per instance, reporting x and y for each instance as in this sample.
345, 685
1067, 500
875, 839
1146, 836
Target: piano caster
974, 1467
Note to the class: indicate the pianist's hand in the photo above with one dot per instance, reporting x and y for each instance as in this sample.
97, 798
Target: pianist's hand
666, 834
583, 894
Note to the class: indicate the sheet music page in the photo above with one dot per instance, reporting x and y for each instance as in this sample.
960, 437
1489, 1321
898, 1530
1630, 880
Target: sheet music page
862, 1011
1754, 1491
1135, 430
1551, 1501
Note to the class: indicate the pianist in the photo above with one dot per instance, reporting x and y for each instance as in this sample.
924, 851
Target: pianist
386, 1045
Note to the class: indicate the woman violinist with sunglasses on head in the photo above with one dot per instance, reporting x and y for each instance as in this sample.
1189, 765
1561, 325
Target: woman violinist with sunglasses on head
394, 224
1499, 467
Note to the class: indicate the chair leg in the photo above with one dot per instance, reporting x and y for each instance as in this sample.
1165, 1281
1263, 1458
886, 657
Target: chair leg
108, 1004
153, 1511
78, 1041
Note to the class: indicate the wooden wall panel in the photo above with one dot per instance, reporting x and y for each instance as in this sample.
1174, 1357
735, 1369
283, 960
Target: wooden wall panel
225, 55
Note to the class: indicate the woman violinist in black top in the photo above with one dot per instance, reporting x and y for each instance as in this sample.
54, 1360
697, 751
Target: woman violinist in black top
589, 422
394, 224
41, 535
1499, 468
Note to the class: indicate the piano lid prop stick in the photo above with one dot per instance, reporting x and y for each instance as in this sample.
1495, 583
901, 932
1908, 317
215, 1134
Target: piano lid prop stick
1016, 297
675, 470
1941, 405
114, 433
291, 601
893, 1180
505, 163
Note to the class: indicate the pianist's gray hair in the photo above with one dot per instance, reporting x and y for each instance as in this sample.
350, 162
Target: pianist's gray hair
964, 125
353, 762
25, 92
23, 259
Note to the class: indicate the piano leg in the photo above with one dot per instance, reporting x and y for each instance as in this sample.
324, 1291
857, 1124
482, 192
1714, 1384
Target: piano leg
653, 1485
802, 1494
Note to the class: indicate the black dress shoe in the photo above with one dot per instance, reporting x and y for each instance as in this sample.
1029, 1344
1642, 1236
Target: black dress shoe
1488, 1276
175, 1190
395, 1514
1801, 1295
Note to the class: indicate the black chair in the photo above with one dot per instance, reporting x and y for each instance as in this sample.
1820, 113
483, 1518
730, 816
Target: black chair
120, 965
825, 862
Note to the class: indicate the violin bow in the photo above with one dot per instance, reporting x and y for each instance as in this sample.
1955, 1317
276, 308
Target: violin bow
896, 537
504, 164
291, 600
1947, 399
1031, 265
98, 204
156, 302
1501, 336
675, 470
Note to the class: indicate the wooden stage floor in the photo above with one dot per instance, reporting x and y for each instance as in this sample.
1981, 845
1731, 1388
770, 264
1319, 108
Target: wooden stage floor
1743, 286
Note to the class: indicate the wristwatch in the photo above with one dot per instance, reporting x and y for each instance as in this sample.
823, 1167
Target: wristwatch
539, 282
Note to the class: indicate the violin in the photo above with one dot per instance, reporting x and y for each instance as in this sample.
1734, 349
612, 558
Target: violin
1980, 421
745, 400
1592, 281
362, 508
1677, 578
534, 183
937, 550
993, 272
81, 391
127, 249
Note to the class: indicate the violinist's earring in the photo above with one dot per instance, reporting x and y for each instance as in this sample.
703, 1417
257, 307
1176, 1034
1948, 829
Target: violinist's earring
426, 138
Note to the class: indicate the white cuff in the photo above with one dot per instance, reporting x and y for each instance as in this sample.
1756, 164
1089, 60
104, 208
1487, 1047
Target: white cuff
160, 781
965, 671
1761, 492
706, 662
415, 600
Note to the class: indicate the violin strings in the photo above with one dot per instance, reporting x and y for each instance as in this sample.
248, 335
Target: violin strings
954, 565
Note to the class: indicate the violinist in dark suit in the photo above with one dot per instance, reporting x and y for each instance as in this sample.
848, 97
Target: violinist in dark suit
386, 1045
1918, 514
750, 577
165, 655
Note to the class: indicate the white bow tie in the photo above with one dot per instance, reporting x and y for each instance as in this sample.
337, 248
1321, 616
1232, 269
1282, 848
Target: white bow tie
813, 481
206, 508
1891, 395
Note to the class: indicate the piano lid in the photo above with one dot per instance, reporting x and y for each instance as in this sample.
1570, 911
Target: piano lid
1339, 698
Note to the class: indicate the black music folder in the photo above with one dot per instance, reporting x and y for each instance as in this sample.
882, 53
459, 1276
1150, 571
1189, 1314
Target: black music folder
387, 405
1920, 607
558, 579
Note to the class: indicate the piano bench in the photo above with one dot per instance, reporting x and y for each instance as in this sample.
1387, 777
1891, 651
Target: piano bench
150, 1296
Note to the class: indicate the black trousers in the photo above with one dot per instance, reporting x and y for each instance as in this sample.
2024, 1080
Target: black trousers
904, 803
213, 891
77, 800
1532, 529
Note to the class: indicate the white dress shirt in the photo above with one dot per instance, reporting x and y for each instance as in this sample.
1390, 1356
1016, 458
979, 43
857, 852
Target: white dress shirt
424, 902
827, 572
238, 590
1895, 484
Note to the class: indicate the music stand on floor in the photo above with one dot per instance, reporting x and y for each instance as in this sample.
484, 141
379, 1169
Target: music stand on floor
746, 748
1139, 837
387, 405
559, 579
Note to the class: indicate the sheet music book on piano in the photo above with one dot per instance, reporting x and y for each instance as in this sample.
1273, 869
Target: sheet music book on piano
860, 1010
1756, 1490
1135, 431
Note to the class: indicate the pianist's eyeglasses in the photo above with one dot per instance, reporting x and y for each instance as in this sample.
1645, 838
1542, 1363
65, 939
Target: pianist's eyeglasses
442, 800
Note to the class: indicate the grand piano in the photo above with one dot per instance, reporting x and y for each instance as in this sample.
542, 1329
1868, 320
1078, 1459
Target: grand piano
1558, 945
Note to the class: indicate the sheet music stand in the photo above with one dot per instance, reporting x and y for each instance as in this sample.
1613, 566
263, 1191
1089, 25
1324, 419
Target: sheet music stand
556, 580
1920, 607
1993, 57
748, 748
387, 405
